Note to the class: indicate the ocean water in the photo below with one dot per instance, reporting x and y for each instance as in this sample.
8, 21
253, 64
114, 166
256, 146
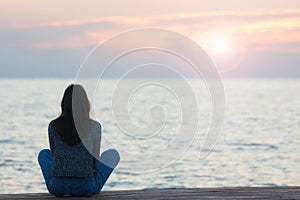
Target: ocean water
259, 144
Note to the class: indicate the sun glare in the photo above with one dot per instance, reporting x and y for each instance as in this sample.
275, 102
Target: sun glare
219, 44
225, 50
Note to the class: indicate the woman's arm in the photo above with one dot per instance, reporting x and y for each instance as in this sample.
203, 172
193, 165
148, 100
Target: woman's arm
97, 143
51, 137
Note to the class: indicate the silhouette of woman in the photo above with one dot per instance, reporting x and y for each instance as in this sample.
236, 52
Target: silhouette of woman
71, 166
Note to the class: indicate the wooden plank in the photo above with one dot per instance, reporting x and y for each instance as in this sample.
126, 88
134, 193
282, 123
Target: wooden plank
187, 193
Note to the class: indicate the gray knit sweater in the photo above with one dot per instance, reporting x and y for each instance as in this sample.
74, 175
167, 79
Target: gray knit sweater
78, 160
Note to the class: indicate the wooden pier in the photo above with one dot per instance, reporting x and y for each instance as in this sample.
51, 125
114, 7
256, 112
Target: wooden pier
188, 193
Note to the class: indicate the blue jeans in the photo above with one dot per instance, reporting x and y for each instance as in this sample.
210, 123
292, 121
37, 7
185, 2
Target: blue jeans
60, 186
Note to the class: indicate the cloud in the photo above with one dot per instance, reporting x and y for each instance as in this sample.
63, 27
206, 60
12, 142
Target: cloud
86, 39
259, 29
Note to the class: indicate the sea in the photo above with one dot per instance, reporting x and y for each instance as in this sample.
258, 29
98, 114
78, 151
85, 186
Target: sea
161, 131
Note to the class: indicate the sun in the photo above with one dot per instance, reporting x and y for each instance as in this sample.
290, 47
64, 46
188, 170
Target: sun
219, 44
216, 43
226, 51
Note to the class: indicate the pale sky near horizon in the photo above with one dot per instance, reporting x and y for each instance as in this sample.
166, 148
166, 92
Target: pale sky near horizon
243, 37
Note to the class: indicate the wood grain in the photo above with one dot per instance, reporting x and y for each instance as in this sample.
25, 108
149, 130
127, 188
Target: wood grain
188, 193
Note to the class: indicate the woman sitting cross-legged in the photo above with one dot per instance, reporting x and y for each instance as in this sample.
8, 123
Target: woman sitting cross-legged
71, 166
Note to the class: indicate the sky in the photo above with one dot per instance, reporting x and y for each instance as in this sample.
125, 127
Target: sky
244, 38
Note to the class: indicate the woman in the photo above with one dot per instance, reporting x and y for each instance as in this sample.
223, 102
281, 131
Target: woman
72, 166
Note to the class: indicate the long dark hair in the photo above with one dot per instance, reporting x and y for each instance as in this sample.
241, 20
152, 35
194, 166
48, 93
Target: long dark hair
73, 123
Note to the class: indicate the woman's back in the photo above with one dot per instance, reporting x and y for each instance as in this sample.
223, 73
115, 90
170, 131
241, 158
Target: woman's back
77, 160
